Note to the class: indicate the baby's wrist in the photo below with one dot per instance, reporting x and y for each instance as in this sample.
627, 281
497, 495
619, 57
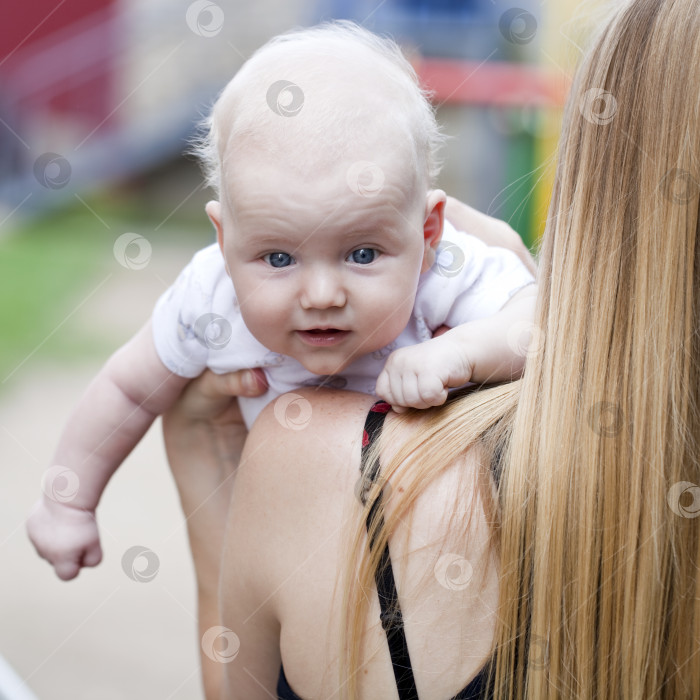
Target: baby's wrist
473, 348
66, 490
64, 509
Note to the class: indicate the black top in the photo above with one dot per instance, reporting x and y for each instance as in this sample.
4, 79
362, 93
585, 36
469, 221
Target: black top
391, 617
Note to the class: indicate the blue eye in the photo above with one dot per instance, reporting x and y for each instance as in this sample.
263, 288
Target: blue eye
278, 259
363, 256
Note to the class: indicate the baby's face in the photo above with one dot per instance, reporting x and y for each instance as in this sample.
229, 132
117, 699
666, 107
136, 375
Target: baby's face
324, 271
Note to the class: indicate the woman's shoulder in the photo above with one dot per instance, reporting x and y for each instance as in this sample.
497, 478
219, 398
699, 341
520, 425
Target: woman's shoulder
303, 455
301, 458
309, 436
309, 429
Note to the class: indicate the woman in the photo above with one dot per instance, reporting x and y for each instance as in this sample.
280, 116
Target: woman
587, 585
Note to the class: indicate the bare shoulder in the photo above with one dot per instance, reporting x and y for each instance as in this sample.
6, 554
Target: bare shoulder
453, 482
306, 444
302, 454
307, 425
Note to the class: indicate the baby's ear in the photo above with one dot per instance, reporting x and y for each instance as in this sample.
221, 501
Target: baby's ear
432, 226
213, 210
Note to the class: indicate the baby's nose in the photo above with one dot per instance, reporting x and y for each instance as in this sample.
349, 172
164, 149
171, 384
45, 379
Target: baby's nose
322, 289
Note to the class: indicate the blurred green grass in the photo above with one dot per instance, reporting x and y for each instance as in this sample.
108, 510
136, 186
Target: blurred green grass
49, 264
43, 266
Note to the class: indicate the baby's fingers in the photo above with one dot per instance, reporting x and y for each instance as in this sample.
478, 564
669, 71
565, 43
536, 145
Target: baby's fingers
432, 390
401, 390
390, 388
66, 569
421, 391
93, 555
383, 387
406, 390
67, 564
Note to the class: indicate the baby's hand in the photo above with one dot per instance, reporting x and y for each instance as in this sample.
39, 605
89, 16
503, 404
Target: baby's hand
65, 536
419, 376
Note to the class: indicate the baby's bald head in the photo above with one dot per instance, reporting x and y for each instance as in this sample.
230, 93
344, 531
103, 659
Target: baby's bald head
320, 97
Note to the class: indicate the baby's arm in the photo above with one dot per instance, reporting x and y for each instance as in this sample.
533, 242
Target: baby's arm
113, 415
487, 350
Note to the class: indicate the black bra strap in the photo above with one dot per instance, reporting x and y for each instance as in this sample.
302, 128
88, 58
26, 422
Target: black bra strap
391, 616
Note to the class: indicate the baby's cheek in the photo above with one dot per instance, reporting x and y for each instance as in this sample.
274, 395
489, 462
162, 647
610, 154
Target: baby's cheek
389, 315
266, 322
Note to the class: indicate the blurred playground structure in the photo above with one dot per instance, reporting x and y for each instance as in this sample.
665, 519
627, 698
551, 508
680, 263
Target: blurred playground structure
94, 92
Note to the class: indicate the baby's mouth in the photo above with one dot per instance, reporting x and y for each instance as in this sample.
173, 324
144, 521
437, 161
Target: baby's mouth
322, 336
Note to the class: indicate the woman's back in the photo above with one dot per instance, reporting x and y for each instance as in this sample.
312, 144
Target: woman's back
287, 545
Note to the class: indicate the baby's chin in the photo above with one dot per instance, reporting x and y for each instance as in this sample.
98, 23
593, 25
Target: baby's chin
324, 364
325, 368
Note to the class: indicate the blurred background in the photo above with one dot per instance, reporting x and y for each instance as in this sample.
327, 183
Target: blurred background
99, 210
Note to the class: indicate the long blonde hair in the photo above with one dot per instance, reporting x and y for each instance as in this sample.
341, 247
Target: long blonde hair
598, 541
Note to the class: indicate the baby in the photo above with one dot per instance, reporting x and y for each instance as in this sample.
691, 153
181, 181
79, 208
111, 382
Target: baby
322, 150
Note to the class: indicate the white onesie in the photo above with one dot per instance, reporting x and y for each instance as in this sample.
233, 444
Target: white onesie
197, 322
